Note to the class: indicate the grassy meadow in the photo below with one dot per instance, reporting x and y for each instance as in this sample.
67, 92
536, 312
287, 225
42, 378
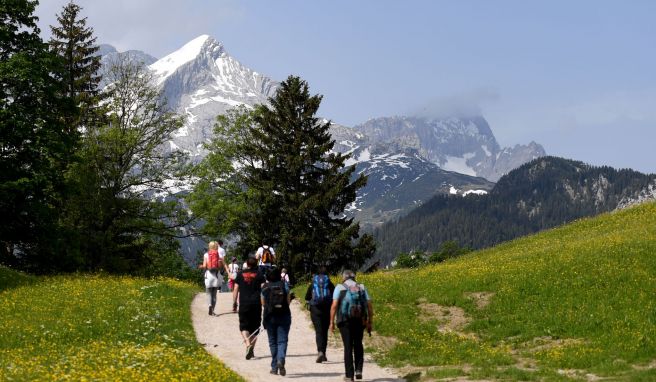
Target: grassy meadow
84, 328
573, 303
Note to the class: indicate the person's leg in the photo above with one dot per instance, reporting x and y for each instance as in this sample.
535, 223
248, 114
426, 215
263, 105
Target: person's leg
325, 324
345, 331
272, 333
213, 298
357, 332
283, 338
316, 316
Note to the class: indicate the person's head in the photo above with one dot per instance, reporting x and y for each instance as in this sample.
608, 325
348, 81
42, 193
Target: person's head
273, 275
213, 245
221, 243
251, 263
348, 275
284, 270
322, 270
234, 260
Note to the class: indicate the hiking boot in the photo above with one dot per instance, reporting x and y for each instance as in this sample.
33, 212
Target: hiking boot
320, 357
324, 359
358, 375
349, 379
281, 369
274, 371
211, 311
249, 352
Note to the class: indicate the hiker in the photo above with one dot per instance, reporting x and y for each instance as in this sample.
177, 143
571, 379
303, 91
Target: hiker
233, 268
284, 276
248, 285
277, 318
266, 256
212, 263
352, 306
319, 298
222, 255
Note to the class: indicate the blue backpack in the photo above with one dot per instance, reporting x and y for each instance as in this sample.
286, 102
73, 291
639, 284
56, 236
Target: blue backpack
320, 291
352, 304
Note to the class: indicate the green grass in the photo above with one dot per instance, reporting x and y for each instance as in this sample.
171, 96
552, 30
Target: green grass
574, 300
88, 327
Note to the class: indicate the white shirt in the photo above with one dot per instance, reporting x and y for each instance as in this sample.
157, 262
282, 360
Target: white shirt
233, 268
222, 253
260, 252
211, 280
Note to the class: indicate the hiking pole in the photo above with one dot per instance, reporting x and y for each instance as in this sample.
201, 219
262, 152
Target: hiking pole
256, 333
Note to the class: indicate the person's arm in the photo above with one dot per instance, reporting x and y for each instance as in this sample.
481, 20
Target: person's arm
235, 295
333, 312
370, 316
205, 261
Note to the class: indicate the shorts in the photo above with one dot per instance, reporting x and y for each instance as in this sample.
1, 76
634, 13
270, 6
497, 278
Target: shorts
250, 317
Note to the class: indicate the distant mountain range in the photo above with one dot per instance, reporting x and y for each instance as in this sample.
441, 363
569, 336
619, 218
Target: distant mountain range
541, 194
407, 159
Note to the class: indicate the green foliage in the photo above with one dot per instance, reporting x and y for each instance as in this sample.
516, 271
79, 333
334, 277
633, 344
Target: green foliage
573, 298
103, 328
73, 42
409, 260
35, 143
121, 210
271, 176
448, 250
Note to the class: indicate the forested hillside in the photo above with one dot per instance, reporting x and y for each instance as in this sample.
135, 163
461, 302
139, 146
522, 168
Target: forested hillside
543, 193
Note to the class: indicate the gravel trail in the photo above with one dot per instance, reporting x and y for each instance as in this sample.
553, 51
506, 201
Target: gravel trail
220, 336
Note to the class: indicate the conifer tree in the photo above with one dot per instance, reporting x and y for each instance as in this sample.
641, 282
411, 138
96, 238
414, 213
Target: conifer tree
33, 141
295, 187
75, 44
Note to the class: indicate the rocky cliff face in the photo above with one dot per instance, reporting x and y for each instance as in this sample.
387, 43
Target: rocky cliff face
464, 145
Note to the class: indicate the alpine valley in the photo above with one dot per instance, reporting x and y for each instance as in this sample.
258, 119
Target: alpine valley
407, 159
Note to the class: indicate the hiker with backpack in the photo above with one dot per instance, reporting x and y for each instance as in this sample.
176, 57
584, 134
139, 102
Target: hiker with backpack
213, 263
319, 298
354, 312
266, 256
248, 286
233, 268
277, 318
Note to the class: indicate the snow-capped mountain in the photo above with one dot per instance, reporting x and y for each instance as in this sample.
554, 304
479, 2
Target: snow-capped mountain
200, 81
461, 144
407, 159
398, 182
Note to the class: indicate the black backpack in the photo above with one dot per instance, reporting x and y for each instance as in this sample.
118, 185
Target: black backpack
276, 301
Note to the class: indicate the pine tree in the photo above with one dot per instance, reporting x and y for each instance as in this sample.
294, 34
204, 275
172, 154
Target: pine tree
75, 44
295, 188
33, 141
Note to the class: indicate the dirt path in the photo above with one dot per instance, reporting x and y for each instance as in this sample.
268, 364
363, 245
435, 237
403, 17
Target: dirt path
220, 337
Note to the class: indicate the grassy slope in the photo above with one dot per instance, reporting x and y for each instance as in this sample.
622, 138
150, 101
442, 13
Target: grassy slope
579, 299
100, 328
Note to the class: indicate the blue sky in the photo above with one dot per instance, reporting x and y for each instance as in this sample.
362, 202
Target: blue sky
578, 77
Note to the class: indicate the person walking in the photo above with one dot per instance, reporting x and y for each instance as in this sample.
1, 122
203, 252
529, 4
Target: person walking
354, 312
265, 256
277, 318
319, 298
233, 269
246, 295
212, 263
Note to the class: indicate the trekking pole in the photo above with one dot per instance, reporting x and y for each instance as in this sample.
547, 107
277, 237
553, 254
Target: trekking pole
256, 333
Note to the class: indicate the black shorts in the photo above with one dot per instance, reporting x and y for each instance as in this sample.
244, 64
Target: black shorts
250, 317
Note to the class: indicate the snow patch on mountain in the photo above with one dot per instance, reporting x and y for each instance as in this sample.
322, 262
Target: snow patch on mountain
169, 64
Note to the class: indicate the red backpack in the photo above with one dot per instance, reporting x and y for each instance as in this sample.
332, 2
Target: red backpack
214, 260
